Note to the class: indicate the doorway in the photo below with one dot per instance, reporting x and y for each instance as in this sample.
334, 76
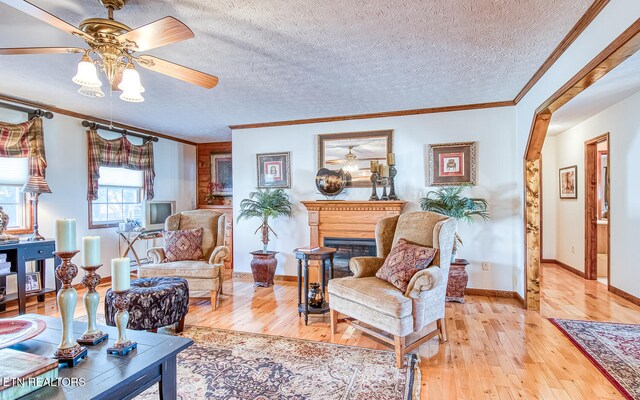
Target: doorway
596, 207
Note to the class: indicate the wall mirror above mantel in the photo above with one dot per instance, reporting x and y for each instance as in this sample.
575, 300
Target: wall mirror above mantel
353, 153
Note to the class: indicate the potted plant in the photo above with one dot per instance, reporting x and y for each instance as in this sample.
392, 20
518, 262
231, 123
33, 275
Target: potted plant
449, 201
265, 205
214, 196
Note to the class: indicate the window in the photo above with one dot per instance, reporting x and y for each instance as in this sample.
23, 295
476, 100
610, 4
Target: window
119, 197
14, 172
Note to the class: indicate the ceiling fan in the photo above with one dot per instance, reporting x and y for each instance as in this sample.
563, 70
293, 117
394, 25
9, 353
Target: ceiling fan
114, 45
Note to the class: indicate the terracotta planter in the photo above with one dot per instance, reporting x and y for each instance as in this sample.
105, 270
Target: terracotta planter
263, 267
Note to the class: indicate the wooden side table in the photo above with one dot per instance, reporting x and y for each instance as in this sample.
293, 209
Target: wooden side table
458, 279
323, 254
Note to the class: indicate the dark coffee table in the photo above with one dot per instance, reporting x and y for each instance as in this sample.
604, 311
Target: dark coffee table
110, 376
321, 254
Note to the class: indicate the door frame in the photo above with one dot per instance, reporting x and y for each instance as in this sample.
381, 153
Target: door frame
591, 207
623, 47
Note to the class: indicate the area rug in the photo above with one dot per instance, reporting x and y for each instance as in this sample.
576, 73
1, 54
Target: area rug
231, 365
613, 348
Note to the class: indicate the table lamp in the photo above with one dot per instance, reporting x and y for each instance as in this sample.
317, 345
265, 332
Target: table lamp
35, 185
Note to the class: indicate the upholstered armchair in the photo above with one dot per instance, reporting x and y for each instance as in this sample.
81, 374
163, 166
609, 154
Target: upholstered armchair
384, 311
204, 275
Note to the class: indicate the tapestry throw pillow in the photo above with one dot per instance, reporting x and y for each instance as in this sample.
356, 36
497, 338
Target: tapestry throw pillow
183, 245
404, 261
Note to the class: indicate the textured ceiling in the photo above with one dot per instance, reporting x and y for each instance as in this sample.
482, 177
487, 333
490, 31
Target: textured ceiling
614, 87
293, 59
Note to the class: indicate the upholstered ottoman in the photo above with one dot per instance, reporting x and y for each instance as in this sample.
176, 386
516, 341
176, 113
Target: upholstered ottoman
153, 303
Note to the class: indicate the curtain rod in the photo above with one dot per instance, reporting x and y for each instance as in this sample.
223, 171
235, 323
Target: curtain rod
95, 126
32, 112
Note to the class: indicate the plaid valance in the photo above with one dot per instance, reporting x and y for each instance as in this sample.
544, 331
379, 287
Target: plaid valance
24, 140
119, 153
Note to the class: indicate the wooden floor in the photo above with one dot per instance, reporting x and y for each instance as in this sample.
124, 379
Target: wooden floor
496, 349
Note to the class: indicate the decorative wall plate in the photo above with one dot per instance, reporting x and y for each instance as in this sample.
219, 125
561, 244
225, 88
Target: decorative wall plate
17, 330
331, 183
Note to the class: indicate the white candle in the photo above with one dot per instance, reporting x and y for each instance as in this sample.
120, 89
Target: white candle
90, 251
66, 235
120, 274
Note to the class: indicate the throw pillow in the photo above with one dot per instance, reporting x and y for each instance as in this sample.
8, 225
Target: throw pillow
183, 245
404, 261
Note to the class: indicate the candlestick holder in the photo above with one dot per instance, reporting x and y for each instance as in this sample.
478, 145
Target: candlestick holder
384, 182
392, 186
90, 280
122, 346
374, 190
68, 352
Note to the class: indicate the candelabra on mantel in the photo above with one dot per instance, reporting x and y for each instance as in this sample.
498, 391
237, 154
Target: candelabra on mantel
383, 175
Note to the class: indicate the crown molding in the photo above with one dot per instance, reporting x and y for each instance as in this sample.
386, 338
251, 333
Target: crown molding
385, 114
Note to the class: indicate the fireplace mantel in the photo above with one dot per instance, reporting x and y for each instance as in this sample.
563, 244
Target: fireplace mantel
347, 219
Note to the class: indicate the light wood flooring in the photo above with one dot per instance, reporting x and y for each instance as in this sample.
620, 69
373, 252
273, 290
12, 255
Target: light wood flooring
496, 349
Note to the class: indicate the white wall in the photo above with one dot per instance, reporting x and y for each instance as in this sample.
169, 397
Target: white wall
66, 150
549, 196
492, 128
622, 122
617, 16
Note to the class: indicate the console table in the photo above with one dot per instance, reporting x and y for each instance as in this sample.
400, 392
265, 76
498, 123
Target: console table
131, 237
110, 376
18, 254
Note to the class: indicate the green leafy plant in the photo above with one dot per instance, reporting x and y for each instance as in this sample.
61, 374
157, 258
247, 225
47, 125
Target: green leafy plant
449, 201
265, 204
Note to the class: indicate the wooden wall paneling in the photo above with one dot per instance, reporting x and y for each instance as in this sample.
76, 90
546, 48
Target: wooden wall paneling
591, 206
203, 171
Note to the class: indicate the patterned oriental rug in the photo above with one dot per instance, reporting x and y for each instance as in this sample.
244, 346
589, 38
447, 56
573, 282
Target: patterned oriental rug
232, 365
613, 348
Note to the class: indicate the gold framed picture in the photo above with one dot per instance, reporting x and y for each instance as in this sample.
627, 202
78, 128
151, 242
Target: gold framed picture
274, 170
452, 164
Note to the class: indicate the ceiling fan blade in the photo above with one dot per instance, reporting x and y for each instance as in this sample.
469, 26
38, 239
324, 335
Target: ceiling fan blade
40, 50
159, 33
177, 71
44, 16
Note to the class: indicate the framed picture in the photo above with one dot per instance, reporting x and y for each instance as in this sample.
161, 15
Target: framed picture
452, 164
221, 174
353, 152
568, 177
33, 282
274, 170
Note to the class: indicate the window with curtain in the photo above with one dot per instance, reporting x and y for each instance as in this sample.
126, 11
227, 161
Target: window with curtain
119, 197
14, 172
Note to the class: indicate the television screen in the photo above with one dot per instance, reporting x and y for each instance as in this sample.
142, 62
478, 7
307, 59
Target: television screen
158, 212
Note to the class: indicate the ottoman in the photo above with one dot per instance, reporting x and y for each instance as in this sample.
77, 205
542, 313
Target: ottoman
153, 303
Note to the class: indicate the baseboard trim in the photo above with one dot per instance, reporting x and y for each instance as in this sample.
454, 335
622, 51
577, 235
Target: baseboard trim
624, 295
519, 298
490, 293
279, 278
565, 266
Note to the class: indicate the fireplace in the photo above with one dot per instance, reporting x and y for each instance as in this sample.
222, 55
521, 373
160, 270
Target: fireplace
348, 248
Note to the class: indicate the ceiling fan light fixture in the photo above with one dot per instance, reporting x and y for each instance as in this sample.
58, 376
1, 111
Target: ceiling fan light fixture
91, 91
130, 80
350, 161
87, 74
132, 97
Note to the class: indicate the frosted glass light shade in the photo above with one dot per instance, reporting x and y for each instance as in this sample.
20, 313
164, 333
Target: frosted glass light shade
132, 97
91, 91
130, 80
87, 74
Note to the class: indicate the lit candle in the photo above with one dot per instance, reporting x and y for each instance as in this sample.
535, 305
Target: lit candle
391, 159
385, 171
66, 235
120, 274
90, 251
